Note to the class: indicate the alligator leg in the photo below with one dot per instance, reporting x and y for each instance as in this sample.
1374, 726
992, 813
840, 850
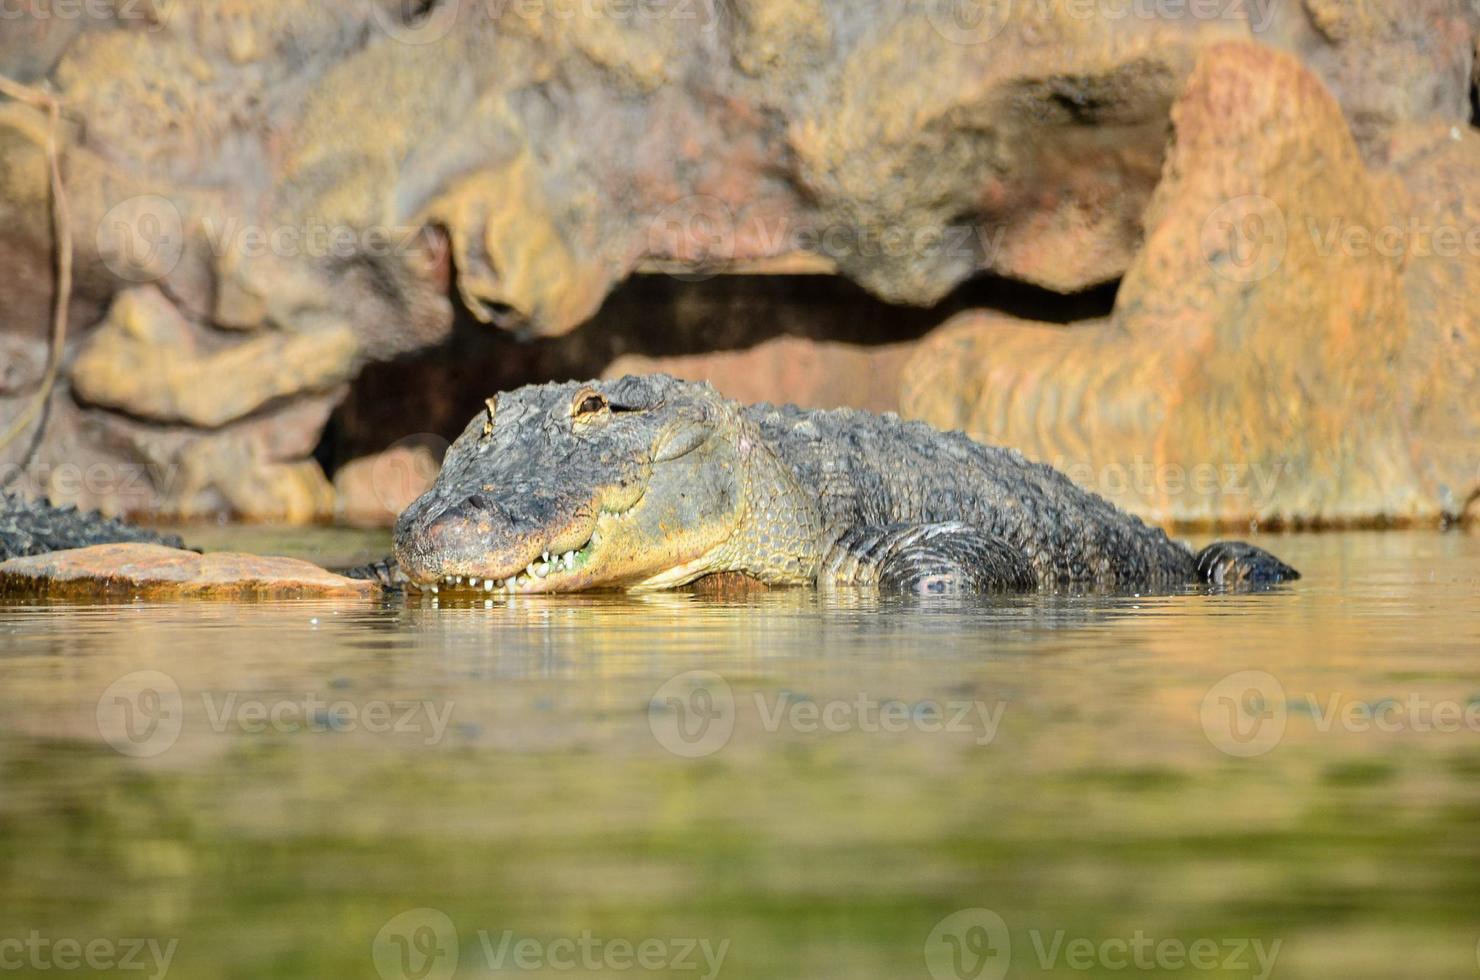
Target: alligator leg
1234, 564
926, 559
386, 572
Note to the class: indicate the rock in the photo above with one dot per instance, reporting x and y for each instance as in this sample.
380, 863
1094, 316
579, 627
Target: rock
810, 373
144, 360
1269, 360
296, 188
126, 571
373, 490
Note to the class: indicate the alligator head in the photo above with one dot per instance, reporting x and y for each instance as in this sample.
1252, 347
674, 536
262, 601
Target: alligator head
634, 483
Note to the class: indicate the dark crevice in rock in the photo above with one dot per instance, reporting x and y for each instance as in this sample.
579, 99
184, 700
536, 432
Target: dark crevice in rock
438, 390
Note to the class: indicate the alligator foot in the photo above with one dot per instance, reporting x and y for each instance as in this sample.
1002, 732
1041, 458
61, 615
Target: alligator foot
1234, 565
927, 559
386, 573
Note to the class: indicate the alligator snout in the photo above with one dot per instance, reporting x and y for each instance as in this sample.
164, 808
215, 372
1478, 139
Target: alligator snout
437, 534
476, 533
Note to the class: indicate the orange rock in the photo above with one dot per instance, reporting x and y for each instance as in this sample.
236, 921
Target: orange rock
155, 572
1264, 362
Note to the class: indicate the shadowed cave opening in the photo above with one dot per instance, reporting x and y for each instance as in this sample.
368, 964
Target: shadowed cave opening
437, 390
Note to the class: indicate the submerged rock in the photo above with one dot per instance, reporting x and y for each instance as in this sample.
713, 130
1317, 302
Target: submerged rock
114, 571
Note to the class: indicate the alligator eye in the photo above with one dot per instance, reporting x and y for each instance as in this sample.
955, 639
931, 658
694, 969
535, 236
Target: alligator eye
588, 402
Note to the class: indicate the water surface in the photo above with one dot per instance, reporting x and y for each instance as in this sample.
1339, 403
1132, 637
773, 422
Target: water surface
802, 786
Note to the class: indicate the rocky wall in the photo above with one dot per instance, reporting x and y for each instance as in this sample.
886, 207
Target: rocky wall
266, 197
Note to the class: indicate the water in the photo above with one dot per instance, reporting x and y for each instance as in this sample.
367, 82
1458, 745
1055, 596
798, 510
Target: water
811, 787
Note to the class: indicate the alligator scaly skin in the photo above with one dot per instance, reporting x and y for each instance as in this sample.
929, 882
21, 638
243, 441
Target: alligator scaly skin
29, 527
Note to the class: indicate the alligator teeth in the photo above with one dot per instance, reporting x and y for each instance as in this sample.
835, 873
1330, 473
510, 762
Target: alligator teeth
434, 588
473, 582
488, 585
542, 569
570, 559
545, 556
595, 539
520, 581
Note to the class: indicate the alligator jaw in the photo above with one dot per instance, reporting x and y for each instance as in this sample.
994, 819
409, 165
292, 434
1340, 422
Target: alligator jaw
549, 572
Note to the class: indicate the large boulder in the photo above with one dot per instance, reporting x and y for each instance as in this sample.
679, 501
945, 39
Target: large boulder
1289, 347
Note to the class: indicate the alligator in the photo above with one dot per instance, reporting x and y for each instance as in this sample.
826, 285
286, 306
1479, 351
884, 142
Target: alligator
30, 527
650, 482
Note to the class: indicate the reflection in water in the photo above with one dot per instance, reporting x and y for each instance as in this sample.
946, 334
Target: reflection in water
809, 785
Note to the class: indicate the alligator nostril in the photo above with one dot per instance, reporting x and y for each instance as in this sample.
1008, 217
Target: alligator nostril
479, 501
